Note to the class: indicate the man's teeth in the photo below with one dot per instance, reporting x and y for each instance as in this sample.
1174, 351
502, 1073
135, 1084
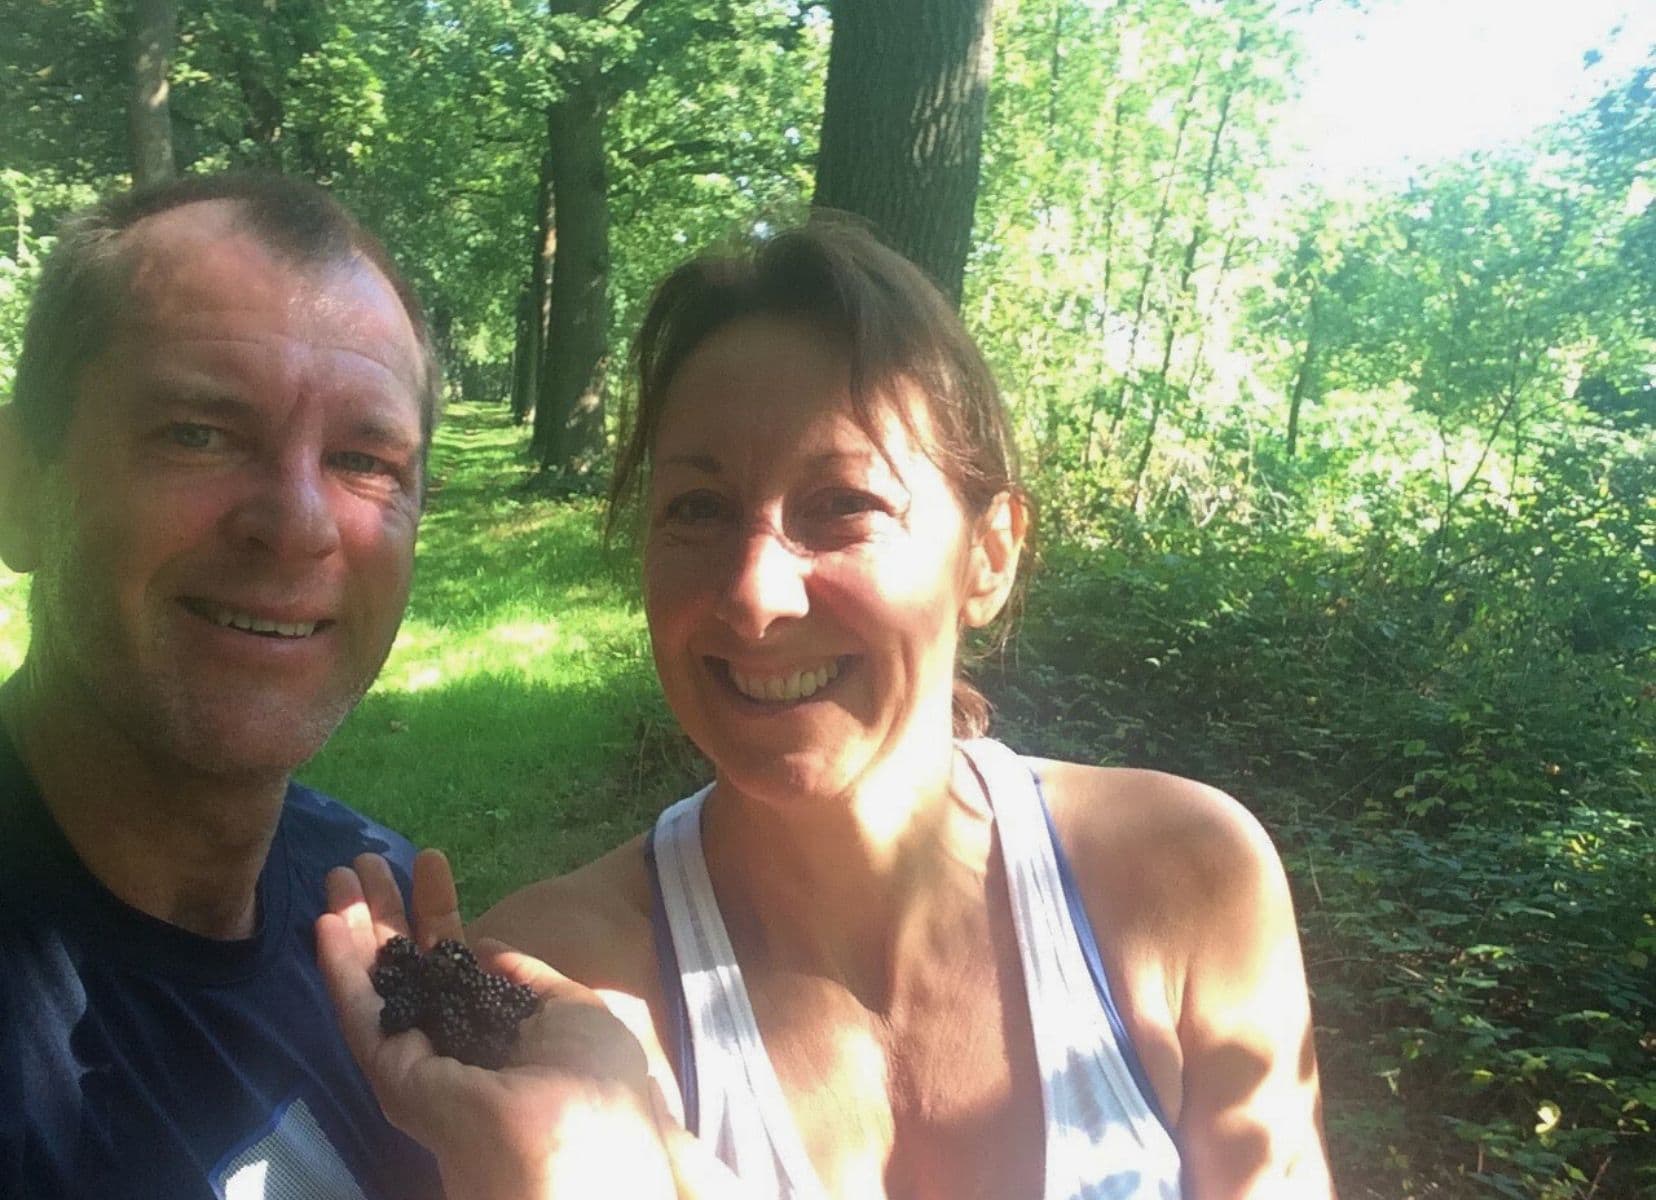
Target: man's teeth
793, 686
236, 620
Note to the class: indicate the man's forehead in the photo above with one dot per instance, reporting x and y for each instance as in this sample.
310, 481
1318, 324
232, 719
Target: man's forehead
200, 248
205, 258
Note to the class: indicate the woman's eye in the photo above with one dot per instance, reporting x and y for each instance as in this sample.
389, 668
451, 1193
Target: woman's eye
694, 508
847, 504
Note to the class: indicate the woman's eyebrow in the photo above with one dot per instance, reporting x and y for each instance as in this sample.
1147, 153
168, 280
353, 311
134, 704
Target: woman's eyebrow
704, 463
709, 465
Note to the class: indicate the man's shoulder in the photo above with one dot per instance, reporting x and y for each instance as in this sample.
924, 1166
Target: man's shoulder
323, 832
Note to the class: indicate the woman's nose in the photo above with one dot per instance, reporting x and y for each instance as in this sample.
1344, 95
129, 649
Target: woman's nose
766, 584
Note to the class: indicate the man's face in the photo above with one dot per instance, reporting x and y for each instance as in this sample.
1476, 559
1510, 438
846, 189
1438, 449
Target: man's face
225, 544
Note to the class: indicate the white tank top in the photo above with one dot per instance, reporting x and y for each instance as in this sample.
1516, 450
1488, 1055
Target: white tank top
1104, 1137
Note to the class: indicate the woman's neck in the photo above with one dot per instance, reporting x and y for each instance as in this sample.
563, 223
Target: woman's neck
840, 886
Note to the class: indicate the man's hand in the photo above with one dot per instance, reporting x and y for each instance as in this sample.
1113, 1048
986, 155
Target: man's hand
571, 1112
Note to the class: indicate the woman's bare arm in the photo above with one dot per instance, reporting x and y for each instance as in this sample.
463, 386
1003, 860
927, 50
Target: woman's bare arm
1186, 885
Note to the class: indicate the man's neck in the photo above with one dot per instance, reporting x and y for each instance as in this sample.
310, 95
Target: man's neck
181, 846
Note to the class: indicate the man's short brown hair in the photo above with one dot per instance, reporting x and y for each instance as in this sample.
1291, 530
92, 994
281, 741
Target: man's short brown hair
85, 279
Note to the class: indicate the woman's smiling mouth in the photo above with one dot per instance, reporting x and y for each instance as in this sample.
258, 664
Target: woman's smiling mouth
779, 687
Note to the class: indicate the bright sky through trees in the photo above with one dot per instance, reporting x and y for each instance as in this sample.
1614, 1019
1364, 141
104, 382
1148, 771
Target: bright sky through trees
1418, 81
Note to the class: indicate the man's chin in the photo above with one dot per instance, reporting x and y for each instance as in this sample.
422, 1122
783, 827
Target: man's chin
233, 745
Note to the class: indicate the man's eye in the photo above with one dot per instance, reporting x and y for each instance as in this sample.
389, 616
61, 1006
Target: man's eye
357, 463
190, 436
694, 508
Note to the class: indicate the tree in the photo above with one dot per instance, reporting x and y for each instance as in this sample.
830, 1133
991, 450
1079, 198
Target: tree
902, 125
605, 56
154, 37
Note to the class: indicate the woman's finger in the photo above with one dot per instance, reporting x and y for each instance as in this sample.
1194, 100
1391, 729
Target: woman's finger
436, 902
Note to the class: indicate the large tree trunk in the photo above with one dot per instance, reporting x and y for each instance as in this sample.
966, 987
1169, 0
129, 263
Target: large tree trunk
902, 124
154, 38
569, 413
534, 309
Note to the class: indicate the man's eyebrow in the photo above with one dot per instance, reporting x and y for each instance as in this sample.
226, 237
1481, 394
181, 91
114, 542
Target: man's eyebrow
380, 432
214, 403
197, 399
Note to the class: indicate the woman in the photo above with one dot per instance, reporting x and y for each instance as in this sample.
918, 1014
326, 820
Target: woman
878, 954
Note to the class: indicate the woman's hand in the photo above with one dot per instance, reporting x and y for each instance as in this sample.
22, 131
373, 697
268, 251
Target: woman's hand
571, 1113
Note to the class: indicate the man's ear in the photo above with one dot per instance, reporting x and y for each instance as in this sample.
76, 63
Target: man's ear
997, 545
20, 476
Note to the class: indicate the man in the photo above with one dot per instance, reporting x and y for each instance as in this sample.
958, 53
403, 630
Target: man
213, 467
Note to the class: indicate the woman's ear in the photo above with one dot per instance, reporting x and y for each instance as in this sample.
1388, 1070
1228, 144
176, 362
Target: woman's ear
19, 496
997, 544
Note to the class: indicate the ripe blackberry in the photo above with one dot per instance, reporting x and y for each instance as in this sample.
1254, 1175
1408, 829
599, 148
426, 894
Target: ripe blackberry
468, 1013
400, 1014
400, 951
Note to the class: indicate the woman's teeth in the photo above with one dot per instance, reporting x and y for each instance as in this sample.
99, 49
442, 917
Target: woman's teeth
778, 688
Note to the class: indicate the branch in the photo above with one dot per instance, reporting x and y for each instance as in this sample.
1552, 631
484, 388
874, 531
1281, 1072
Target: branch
642, 157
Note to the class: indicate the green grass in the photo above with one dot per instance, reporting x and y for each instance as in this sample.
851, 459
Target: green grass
517, 723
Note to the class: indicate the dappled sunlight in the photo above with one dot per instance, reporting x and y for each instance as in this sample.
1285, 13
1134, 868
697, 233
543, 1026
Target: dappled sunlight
14, 619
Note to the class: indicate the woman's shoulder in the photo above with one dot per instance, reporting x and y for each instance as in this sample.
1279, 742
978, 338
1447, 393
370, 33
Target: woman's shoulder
1166, 853
1154, 816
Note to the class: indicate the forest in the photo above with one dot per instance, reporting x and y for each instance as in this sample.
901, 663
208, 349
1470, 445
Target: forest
1347, 494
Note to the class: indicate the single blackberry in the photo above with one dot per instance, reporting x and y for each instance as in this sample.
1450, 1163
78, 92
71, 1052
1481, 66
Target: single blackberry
400, 1014
392, 979
399, 950
454, 951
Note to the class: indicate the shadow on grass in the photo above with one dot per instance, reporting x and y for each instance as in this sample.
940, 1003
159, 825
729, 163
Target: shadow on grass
516, 779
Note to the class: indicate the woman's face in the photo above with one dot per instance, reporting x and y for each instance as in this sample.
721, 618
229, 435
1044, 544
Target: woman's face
805, 590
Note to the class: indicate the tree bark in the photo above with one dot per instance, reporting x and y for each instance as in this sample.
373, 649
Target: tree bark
902, 125
569, 412
149, 122
536, 303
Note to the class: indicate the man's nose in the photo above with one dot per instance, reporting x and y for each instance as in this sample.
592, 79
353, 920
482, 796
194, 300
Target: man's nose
766, 584
289, 510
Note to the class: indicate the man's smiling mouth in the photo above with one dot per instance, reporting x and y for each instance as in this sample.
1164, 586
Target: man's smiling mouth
230, 618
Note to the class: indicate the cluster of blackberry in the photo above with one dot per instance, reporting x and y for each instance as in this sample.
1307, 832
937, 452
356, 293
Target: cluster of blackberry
468, 1013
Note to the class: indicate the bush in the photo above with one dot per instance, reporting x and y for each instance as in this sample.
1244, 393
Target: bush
1450, 735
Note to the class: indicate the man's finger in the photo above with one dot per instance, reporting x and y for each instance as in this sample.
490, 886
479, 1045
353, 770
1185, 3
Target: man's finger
346, 901
339, 955
436, 902
385, 902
